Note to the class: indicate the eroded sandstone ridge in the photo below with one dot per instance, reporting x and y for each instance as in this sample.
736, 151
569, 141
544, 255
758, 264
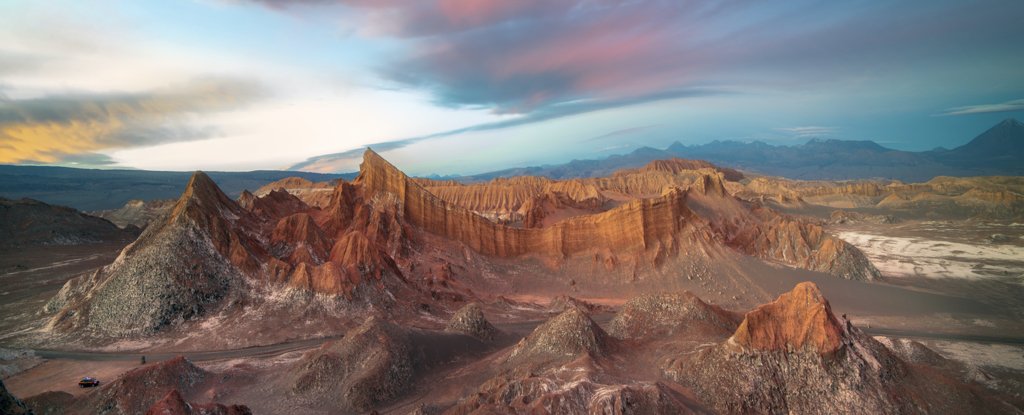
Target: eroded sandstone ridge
385, 241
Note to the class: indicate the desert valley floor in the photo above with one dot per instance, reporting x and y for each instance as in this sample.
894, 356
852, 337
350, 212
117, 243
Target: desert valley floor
677, 287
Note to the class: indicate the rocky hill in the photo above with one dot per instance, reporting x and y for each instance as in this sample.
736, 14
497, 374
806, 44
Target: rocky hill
174, 404
135, 212
377, 245
28, 222
795, 356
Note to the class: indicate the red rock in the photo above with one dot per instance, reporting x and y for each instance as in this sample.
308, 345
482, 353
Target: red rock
799, 319
174, 404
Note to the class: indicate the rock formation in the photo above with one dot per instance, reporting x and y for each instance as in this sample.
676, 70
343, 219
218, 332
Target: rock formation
312, 193
470, 320
373, 364
795, 356
366, 242
663, 315
136, 213
565, 336
798, 320
183, 263
559, 368
140, 389
174, 404
28, 222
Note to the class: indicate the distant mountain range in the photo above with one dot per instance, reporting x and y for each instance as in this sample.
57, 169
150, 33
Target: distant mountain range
89, 189
998, 151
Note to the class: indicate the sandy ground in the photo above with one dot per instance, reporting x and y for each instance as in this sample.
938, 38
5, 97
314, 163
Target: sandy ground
63, 375
935, 292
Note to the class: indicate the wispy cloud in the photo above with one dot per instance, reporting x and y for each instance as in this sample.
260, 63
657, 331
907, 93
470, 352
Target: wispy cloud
72, 127
339, 161
1008, 106
622, 133
808, 131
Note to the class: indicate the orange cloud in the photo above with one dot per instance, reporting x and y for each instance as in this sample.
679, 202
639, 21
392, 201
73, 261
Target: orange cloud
46, 130
46, 142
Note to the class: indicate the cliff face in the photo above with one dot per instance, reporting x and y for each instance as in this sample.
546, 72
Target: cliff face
633, 226
207, 249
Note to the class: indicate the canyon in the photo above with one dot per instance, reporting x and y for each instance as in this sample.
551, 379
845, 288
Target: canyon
675, 287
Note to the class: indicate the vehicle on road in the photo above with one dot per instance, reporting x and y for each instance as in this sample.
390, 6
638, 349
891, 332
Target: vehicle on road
88, 382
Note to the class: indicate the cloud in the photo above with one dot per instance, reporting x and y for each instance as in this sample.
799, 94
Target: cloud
401, 18
515, 57
337, 162
809, 131
59, 128
1008, 106
543, 59
622, 132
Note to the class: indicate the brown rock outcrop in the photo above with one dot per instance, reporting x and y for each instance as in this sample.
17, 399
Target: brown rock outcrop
312, 193
470, 320
139, 389
677, 165
564, 337
136, 212
28, 222
799, 319
794, 356
373, 231
630, 227
174, 404
660, 315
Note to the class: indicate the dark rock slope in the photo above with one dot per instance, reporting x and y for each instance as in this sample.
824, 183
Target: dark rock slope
28, 222
11, 405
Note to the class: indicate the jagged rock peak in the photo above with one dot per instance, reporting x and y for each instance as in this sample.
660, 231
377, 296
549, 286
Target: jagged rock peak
201, 185
202, 195
567, 335
246, 200
470, 320
801, 319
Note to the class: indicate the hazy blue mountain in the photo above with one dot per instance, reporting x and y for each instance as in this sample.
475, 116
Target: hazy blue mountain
998, 151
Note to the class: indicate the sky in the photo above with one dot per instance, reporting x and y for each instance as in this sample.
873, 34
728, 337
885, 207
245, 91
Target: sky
468, 86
